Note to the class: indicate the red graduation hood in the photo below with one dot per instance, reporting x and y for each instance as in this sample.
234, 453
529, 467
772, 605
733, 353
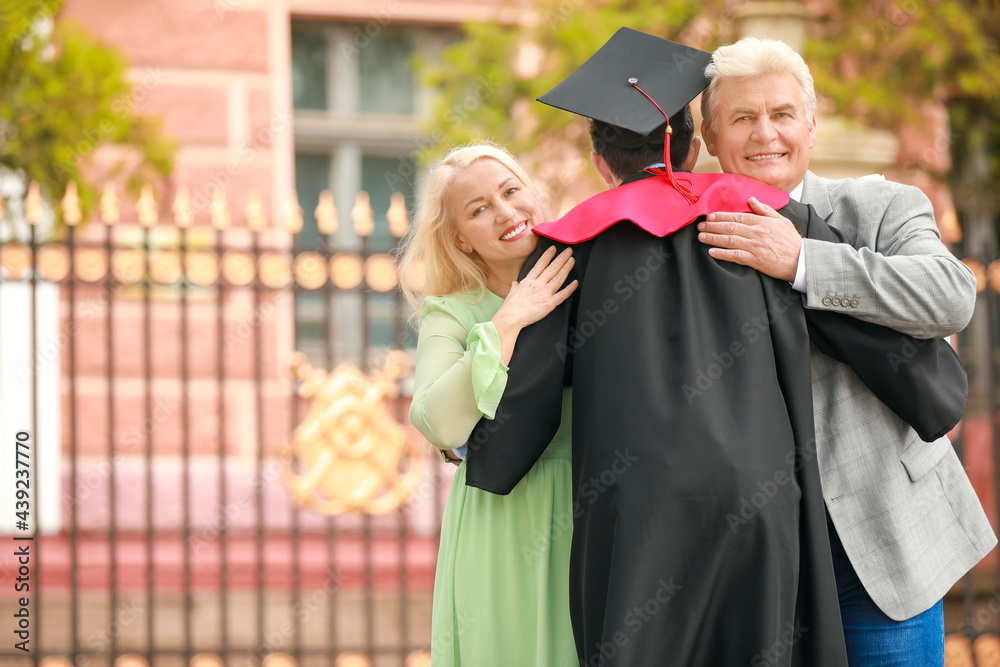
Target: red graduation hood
653, 204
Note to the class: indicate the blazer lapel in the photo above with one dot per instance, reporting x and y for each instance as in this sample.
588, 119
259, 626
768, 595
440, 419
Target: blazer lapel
814, 192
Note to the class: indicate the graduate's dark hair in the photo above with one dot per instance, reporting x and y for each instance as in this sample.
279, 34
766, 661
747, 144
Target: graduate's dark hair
624, 162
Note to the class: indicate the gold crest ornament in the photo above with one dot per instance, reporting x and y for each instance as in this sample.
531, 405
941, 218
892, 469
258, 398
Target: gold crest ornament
349, 454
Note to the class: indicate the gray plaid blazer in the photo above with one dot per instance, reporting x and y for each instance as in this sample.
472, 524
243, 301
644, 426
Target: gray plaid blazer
904, 509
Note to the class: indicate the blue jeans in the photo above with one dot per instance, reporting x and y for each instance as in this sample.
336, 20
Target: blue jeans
874, 639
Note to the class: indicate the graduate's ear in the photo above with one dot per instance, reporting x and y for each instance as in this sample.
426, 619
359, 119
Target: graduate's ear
601, 165
709, 136
692, 157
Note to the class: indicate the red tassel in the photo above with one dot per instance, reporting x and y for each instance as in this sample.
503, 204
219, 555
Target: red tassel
668, 169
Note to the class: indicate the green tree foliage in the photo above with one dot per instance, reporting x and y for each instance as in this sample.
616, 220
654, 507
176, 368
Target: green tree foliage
486, 84
879, 59
62, 94
876, 60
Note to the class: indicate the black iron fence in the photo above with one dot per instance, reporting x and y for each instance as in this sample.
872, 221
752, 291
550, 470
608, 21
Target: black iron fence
201, 497
185, 509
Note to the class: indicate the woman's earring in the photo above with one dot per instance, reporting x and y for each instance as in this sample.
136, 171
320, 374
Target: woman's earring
467, 249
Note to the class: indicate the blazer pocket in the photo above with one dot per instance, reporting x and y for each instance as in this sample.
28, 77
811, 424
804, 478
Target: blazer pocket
920, 457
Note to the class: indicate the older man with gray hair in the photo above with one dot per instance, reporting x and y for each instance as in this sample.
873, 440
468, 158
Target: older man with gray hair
904, 521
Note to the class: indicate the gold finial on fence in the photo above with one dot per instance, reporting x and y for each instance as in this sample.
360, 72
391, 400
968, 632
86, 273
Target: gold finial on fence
110, 211
351, 659
293, 214
326, 214
2, 214
979, 271
55, 661
279, 659
206, 660
362, 214
951, 229
146, 206
220, 211
993, 275
254, 211
71, 205
418, 659
131, 660
33, 204
398, 216
183, 215
380, 272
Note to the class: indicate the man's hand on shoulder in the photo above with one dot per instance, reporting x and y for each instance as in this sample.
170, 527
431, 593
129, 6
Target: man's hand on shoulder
763, 240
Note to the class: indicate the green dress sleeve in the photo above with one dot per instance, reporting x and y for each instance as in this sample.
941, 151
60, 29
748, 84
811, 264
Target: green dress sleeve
459, 375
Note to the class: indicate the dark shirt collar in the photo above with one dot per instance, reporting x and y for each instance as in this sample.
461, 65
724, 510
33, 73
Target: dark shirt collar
639, 175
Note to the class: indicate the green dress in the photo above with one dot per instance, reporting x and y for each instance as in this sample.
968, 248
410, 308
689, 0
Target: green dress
501, 590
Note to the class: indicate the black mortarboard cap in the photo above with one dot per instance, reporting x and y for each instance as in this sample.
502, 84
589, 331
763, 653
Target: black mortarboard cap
670, 73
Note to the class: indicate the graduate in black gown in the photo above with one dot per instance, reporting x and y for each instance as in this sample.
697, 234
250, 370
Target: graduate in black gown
700, 532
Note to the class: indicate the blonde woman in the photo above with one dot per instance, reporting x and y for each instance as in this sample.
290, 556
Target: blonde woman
501, 592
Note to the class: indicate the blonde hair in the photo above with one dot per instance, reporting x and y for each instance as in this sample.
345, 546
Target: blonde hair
751, 57
430, 243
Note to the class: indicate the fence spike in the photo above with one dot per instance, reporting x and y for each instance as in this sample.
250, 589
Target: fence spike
70, 205
183, 215
326, 214
362, 214
33, 204
993, 275
110, 211
148, 215
254, 211
293, 214
397, 215
979, 271
220, 211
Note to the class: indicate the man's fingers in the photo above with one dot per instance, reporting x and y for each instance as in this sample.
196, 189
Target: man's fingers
741, 219
729, 255
760, 208
722, 240
727, 227
731, 216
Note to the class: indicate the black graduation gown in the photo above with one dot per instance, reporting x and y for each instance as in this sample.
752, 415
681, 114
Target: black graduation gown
700, 534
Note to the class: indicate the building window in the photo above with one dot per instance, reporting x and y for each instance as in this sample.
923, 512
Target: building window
309, 70
385, 75
357, 111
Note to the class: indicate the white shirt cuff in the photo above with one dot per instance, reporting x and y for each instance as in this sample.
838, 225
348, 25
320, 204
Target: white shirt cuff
799, 284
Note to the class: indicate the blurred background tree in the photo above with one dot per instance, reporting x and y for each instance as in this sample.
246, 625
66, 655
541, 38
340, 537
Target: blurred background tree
488, 82
882, 60
62, 94
879, 61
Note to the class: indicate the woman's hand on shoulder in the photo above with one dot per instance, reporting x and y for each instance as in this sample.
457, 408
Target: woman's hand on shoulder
537, 295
